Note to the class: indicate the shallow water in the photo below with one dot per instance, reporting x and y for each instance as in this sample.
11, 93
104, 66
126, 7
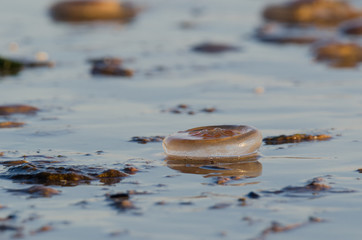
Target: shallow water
82, 114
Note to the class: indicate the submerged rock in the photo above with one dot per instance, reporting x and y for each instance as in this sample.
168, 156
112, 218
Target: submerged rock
323, 12
93, 10
37, 191
280, 33
121, 201
338, 54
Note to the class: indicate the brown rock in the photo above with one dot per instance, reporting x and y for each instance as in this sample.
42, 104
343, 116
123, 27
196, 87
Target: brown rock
352, 27
112, 173
338, 54
11, 124
17, 109
323, 12
88, 10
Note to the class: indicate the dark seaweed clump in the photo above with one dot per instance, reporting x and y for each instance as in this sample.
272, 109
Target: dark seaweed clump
6, 110
9, 67
295, 138
46, 173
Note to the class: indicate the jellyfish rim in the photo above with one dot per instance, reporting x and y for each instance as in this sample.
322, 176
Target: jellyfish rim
184, 139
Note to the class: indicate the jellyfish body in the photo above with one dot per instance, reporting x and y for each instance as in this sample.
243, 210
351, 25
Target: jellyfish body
213, 142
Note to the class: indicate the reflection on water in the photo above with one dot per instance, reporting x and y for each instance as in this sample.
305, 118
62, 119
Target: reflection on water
248, 167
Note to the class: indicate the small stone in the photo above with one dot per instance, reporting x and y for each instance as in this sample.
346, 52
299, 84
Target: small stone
208, 110
95, 10
214, 48
130, 170
253, 195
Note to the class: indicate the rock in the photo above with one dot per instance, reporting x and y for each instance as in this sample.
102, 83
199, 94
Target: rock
338, 54
352, 27
213, 48
93, 10
320, 12
17, 109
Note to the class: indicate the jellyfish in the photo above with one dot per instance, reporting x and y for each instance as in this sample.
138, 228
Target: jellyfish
213, 143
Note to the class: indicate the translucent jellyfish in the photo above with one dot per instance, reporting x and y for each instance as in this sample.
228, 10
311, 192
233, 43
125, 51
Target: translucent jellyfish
213, 142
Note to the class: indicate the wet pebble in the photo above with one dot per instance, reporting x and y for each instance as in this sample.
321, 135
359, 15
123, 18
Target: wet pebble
121, 201
87, 10
110, 67
17, 109
338, 54
130, 169
322, 12
214, 48
253, 195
